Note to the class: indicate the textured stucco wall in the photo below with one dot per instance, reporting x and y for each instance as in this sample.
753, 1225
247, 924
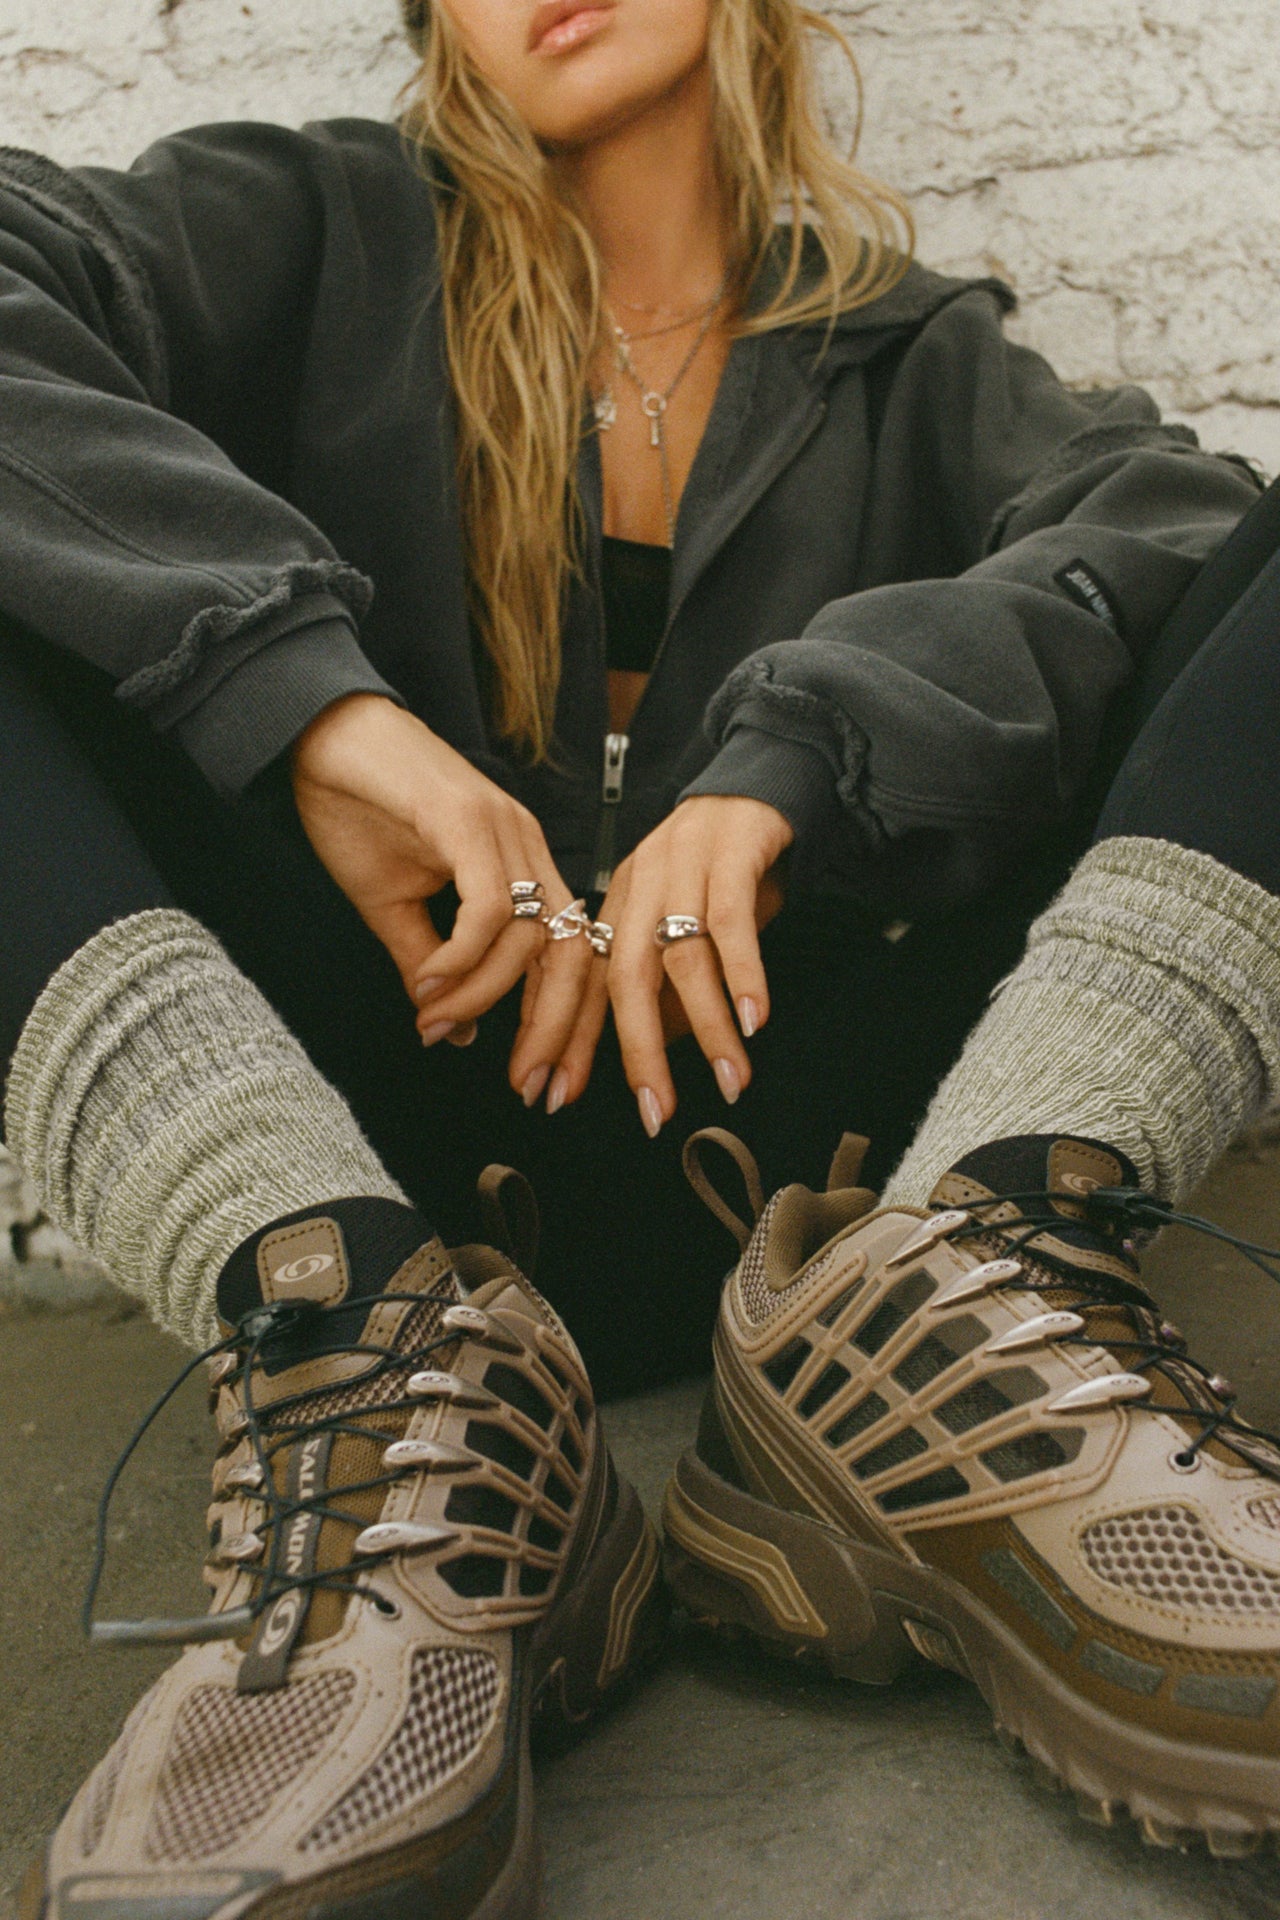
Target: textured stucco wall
1116, 160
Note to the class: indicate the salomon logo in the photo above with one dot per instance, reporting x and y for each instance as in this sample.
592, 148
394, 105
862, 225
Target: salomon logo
295, 1271
1081, 1183
281, 1624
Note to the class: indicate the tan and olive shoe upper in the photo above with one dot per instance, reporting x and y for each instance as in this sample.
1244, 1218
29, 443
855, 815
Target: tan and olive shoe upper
971, 1431
419, 1534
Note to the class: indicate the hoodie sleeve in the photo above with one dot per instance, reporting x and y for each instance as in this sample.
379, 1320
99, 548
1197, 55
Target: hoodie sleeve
935, 724
146, 319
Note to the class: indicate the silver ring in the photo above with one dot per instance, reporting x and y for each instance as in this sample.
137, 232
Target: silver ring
679, 926
569, 922
600, 938
526, 899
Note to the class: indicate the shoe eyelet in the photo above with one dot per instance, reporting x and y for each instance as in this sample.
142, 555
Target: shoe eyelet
389, 1609
1184, 1461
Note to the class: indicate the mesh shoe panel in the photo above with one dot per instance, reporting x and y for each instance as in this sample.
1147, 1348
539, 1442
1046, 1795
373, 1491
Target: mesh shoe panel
420, 1326
453, 1697
759, 1300
231, 1753
1164, 1554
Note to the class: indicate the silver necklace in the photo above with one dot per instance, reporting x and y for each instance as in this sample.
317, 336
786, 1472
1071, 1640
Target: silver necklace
654, 401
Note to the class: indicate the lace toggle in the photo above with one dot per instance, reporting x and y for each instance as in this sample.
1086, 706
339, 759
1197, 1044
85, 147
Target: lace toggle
449, 1386
1037, 1332
428, 1456
1108, 1391
978, 1280
401, 1536
474, 1324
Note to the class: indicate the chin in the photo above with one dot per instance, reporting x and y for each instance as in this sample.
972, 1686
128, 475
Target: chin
600, 100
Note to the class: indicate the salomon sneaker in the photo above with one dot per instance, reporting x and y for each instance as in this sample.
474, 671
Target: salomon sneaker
970, 1435
418, 1543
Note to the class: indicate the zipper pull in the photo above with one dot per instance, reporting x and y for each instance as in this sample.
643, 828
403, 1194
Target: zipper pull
615, 761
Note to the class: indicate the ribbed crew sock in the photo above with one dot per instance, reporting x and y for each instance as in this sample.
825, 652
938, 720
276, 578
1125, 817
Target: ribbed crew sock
1145, 1012
164, 1112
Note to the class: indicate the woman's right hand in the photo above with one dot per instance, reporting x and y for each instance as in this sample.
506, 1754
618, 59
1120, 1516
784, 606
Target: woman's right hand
395, 814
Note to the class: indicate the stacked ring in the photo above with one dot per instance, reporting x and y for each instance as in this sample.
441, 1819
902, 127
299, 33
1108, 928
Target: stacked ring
600, 937
526, 899
679, 926
569, 922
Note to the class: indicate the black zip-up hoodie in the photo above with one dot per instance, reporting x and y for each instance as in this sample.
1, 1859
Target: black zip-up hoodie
910, 568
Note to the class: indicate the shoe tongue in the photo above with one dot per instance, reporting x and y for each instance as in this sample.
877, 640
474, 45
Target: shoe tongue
345, 1250
1050, 1176
1035, 1163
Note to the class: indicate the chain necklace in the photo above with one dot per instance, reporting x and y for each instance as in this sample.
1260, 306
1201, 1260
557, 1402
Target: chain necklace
669, 326
654, 401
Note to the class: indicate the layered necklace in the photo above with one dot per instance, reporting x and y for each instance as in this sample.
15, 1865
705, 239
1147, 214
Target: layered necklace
654, 401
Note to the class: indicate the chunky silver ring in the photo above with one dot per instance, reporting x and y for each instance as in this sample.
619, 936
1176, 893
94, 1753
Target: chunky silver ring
600, 938
679, 926
526, 899
569, 922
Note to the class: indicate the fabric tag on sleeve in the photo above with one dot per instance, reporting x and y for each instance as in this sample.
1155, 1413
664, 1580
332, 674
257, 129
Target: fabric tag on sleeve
1083, 586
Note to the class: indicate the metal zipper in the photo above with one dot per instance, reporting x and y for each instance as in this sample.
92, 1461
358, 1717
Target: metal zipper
615, 761
616, 744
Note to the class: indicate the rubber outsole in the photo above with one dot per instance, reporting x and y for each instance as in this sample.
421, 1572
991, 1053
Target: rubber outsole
795, 1587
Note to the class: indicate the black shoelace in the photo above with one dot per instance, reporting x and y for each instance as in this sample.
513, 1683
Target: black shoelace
284, 1424
1114, 1215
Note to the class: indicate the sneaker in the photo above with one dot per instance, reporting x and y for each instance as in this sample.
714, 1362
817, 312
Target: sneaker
969, 1435
419, 1544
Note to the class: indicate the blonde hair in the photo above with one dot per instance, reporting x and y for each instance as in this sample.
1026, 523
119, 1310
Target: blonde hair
522, 299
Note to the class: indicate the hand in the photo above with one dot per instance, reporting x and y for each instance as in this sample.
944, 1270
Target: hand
713, 857
395, 814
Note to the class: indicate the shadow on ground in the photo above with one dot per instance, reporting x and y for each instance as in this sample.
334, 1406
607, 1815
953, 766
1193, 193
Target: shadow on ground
728, 1787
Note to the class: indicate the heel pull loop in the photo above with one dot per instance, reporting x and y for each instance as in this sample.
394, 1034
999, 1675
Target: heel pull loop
709, 1194
509, 1213
846, 1161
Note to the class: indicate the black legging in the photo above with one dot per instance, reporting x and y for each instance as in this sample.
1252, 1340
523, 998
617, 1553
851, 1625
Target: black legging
100, 819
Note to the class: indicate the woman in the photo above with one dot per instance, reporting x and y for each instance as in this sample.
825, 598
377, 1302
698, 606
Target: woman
613, 453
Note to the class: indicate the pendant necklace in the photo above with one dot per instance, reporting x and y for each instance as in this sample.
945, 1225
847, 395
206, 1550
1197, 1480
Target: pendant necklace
654, 401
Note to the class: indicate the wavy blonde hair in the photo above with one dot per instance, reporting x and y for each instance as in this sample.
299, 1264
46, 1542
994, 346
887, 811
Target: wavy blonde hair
523, 311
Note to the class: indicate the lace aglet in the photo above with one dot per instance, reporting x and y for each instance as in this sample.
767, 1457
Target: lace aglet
159, 1633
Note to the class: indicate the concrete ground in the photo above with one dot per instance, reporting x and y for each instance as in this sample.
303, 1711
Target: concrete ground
729, 1787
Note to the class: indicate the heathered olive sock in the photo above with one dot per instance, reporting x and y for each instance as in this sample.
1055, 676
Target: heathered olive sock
164, 1112
1145, 1012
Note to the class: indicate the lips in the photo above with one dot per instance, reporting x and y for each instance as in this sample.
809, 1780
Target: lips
553, 13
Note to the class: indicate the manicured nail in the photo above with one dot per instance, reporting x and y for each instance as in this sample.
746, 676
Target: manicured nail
427, 984
436, 1031
748, 1016
559, 1089
727, 1079
650, 1111
534, 1084
464, 1035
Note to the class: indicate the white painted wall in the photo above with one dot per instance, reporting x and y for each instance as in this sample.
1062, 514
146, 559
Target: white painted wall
1116, 160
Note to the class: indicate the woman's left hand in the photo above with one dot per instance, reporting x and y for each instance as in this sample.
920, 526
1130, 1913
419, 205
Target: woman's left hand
712, 858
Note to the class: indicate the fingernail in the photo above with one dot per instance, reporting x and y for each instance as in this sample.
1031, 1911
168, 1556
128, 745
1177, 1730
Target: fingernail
464, 1035
727, 1079
650, 1111
748, 1016
427, 984
436, 1031
559, 1088
534, 1084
